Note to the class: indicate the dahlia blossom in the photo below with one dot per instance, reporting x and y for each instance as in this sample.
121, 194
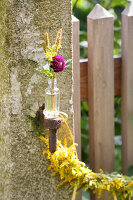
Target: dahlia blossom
58, 63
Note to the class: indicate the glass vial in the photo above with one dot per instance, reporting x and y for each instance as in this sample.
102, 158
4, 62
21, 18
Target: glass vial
52, 99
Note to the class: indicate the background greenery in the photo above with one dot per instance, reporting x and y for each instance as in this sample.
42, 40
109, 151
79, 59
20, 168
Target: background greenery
81, 8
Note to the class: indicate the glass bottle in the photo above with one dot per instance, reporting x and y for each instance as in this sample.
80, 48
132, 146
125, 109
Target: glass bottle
52, 99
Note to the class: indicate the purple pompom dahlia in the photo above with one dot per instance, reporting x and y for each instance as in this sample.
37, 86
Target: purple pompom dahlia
58, 63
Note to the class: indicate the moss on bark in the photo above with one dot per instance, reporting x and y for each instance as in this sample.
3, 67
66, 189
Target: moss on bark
23, 172
5, 158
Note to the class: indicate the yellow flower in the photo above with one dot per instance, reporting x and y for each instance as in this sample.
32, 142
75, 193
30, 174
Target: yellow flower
64, 161
130, 184
51, 51
101, 171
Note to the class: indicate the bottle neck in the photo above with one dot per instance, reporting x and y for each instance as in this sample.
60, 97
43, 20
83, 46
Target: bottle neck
52, 83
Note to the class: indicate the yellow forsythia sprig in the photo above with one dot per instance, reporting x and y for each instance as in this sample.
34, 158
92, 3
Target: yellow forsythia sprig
65, 163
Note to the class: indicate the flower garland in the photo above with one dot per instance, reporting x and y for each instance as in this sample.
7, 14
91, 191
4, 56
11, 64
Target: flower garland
65, 163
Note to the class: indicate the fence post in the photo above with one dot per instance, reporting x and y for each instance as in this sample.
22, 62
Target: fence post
101, 88
76, 83
76, 87
127, 87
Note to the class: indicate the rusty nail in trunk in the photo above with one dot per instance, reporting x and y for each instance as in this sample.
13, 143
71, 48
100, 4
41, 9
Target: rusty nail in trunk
52, 124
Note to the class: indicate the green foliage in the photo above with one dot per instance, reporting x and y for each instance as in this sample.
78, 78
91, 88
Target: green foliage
68, 62
37, 123
85, 195
132, 120
47, 73
118, 159
84, 131
45, 69
130, 171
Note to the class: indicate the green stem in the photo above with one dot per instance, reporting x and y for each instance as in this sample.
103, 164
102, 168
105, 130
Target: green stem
75, 4
53, 92
109, 5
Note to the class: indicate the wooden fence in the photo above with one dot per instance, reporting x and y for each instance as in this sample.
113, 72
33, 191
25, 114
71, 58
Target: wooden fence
98, 79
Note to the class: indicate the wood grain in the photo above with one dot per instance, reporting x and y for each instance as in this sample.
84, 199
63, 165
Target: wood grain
76, 83
101, 88
76, 88
84, 78
127, 87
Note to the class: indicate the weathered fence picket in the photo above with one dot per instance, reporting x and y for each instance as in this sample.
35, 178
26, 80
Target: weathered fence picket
127, 87
84, 78
76, 87
76, 82
101, 88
